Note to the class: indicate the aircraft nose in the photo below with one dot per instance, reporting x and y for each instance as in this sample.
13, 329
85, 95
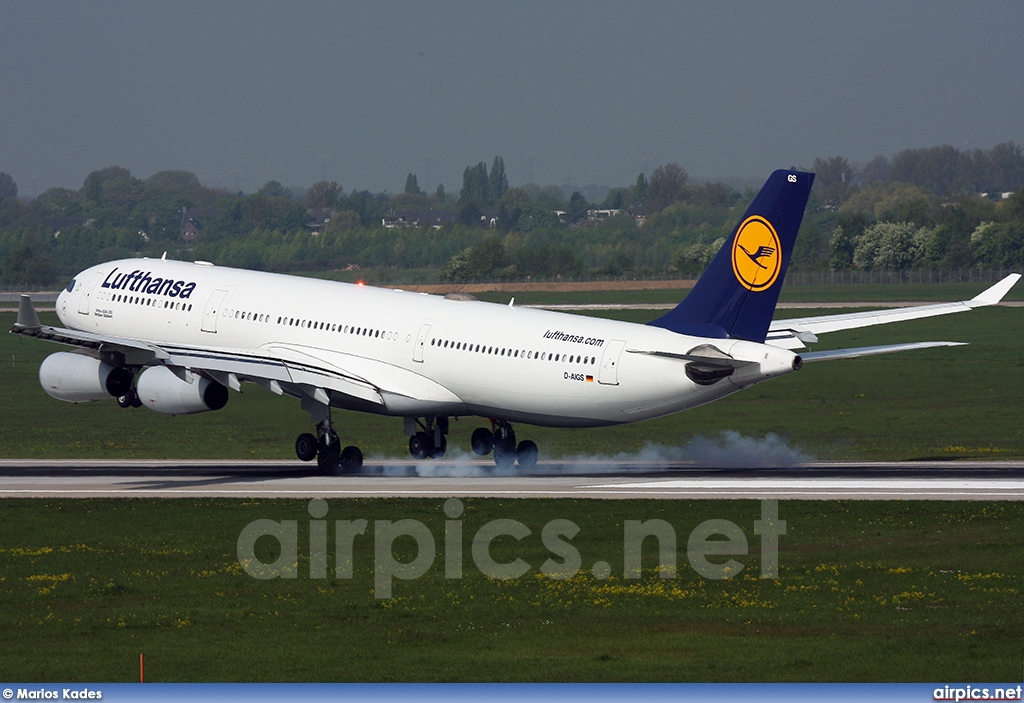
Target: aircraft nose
62, 303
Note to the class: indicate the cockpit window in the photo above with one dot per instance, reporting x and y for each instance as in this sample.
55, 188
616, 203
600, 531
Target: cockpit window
71, 286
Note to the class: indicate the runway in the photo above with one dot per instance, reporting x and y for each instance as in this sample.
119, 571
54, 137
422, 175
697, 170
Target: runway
945, 480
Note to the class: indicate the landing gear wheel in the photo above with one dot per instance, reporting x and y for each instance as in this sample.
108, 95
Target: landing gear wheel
504, 454
327, 460
130, 399
329, 451
351, 459
305, 447
421, 445
526, 454
440, 449
482, 441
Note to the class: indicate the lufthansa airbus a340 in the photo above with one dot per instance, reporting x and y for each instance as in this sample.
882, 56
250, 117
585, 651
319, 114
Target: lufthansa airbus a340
177, 336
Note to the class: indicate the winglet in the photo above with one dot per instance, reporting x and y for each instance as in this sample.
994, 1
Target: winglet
27, 314
993, 295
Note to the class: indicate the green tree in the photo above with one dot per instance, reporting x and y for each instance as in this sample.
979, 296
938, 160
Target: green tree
412, 186
577, 209
24, 267
497, 182
273, 189
998, 244
57, 202
885, 200
8, 188
843, 242
892, 246
666, 186
489, 259
640, 189
92, 188
834, 180
536, 216
323, 194
183, 183
475, 184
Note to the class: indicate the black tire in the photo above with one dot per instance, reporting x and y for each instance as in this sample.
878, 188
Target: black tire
327, 460
504, 453
130, 399
482, 441
527, 454
306, 447
421, 445
351, 459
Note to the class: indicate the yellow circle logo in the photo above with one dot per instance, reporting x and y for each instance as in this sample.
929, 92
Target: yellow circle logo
756, 254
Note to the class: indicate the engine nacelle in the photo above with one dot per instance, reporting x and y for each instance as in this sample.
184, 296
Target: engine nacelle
160, 390
79, 378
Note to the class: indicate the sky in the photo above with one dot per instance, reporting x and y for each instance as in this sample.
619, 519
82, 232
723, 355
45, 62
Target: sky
364, 93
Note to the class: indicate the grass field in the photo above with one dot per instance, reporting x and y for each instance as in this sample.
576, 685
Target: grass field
866, 592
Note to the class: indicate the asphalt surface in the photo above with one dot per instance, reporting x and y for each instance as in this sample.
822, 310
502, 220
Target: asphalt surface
945, 480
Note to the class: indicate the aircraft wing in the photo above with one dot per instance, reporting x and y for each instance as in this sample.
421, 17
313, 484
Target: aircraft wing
324, 375
796, 333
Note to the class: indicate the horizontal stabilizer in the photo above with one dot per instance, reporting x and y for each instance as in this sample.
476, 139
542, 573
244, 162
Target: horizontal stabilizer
870, 351
27, 317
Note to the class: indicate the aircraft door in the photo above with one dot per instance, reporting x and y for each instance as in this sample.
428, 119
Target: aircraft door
213, 311
609, 373
85, 297
421, 342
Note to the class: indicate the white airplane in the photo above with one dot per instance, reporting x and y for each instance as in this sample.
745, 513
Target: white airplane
175, 336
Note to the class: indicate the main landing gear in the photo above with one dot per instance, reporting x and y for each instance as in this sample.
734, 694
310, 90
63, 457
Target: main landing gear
130, 399
325, 447
427, 440
502, 441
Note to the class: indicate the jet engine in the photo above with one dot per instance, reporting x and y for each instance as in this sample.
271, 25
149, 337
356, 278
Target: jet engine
78, 378
161, 390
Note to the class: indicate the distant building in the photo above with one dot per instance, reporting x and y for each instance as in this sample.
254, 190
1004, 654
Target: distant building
425, 218
191, 221
319, 218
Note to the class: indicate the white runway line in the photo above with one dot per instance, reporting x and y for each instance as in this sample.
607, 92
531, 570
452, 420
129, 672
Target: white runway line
788, 484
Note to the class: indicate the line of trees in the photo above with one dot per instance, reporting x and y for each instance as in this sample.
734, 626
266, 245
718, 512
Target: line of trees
922, 208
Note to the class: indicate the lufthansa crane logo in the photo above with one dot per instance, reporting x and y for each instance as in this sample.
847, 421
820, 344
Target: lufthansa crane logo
756, 254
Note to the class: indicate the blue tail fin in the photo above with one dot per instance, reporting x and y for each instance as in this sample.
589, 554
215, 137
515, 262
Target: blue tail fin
736, 295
